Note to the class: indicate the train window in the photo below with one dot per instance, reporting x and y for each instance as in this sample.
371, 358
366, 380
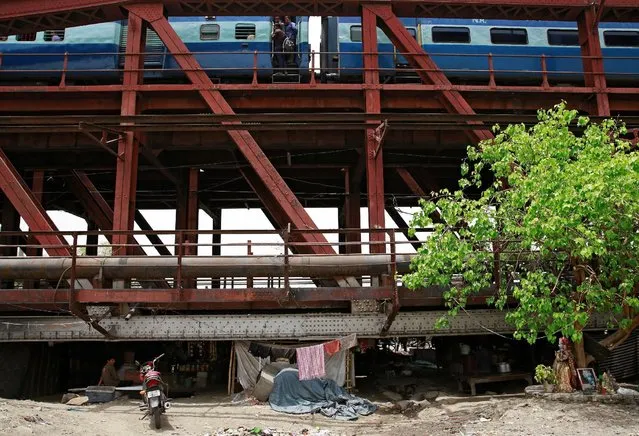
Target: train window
451, 34
563, 37
209, 32
621, 38
26, 37
244, 31
356, 33
54, 35
508, 36
412, 31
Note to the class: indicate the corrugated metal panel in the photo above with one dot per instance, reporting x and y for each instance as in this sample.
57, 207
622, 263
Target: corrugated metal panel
154, 48
623, 362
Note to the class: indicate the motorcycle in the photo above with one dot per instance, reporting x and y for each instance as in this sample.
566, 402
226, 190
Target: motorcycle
155, 392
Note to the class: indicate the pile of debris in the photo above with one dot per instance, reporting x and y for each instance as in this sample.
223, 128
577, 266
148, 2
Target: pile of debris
257, 431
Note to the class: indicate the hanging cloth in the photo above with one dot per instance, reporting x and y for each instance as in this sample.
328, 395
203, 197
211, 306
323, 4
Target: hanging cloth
332, 347
310, 362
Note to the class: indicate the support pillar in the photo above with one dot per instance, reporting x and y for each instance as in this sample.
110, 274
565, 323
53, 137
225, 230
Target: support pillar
128, 145
216, 249
373, 150
92, 239
192, 211
592, 58
351, 208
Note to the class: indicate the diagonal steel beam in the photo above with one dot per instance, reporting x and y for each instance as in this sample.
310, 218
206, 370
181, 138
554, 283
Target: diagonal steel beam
278, 220
31, 210
282, 194
403, 226
426, 68
153, 238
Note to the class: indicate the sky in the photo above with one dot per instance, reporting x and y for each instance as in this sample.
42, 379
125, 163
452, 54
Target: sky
232, 219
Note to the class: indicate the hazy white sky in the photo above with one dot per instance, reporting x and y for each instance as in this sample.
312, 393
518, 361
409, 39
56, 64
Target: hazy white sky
232, 219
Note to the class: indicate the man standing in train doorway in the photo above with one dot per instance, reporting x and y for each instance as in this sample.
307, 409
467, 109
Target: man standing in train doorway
290, 43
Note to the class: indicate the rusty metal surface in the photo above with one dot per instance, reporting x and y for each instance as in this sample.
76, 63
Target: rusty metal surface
257, 326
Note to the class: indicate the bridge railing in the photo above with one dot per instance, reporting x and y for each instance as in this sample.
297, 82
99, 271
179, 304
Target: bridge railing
256, 67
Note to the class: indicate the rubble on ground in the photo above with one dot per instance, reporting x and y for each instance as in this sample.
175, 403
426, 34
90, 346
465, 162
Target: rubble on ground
257, 431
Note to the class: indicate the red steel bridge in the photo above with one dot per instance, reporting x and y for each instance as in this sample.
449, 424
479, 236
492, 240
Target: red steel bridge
105, 152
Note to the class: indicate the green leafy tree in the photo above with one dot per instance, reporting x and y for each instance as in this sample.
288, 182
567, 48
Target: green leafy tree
546, 218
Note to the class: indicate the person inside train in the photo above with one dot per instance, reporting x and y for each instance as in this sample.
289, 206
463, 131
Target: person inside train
278, 37
290, 42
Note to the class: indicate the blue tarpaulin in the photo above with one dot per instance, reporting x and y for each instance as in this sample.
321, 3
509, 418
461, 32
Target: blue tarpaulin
292, 395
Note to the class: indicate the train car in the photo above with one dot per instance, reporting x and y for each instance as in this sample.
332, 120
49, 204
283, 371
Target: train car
461, 48
93, 53
224, 46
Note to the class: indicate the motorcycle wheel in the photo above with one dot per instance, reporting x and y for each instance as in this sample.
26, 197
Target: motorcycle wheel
157, 417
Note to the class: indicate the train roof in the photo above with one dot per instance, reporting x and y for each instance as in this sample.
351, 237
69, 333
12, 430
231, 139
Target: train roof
505, 23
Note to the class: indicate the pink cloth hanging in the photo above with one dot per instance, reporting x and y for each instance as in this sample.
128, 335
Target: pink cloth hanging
310, 362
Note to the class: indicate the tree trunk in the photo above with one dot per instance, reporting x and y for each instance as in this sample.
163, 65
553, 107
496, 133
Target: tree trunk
580, 354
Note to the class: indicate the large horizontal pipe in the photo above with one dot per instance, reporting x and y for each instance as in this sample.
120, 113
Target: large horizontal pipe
143, 268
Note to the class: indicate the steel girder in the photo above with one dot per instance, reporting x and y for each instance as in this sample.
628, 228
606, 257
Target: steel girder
21, 16
403, 226
30, 209
427, 69
153, 238
374, 138
592, 58
301, 97
128, 144
259, 327
282, 194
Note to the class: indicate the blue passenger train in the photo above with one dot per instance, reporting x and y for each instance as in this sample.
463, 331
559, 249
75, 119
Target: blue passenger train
461, 47
226, 46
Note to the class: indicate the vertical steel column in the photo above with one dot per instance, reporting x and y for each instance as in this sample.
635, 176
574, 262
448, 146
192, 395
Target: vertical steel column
216, 249
128, 145
352, 216
92, 240
592, 58
192, 211
374, 159
190, 216
181, 202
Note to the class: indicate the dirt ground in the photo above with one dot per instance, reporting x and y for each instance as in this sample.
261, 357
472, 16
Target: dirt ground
204, 415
